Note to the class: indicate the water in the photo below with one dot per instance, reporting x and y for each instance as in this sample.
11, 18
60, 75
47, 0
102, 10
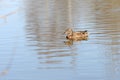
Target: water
33, 46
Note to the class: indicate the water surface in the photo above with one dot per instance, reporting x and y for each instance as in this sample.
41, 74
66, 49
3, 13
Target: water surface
32, 43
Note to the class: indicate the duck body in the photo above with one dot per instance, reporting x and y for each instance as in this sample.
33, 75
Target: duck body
78, 35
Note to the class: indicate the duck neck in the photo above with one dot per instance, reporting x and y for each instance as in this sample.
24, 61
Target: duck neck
72, 33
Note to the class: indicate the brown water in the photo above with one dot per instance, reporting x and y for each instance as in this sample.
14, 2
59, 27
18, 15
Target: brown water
33, 46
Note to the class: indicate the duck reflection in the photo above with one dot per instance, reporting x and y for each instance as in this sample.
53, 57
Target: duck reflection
70, 42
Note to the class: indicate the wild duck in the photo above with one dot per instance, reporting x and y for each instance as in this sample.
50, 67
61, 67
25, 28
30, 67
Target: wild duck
72, 35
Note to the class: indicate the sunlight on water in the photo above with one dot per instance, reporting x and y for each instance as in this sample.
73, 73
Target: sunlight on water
33, 45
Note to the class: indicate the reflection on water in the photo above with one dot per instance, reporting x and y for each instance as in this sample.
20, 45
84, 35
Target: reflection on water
46, 34
70, 42
44, 50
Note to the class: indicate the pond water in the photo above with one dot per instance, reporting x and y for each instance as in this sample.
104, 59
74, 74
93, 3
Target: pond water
33, 45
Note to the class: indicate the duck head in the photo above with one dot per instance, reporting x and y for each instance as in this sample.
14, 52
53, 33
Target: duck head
69, 31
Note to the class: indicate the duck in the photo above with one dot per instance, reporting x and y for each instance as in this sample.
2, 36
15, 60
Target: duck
75, 35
